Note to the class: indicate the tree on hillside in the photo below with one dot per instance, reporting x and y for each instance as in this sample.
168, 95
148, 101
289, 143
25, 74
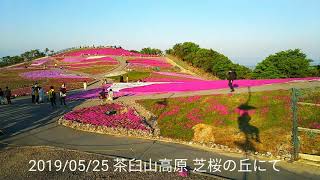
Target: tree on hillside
151, 51
204, 58
32, 54
26, 56
46, 51
243, 72
207, 59
284, 64
185, 49
221, 66
9, 60
134, 51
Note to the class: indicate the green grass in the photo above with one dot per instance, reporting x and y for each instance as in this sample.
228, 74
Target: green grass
96, 69
269, 113
197, 71
133, 76
311, 95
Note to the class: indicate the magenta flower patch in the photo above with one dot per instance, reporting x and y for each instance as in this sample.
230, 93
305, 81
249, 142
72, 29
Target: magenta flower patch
149, 63
40, 62
104, 51
48, 74
88, 94
205, 85
98, 115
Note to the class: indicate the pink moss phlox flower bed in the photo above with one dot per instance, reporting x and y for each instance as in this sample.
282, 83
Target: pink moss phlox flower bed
48, 74
205, 85
79, 65
88, 94
315, 125
78, 60
40, 62
96, 115
103, 51
73, 59
149, 63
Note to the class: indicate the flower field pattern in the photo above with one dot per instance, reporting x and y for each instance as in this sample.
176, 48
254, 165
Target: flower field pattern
40, 62
41, 74
235, 116
97, 115
103, 51
91, 64
207, 85
89, 94
83, 60
158, 62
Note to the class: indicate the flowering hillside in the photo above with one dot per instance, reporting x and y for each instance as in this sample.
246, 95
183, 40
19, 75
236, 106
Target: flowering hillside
264, 117
102, 51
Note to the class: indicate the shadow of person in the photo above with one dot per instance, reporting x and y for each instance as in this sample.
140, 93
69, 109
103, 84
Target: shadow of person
251, 132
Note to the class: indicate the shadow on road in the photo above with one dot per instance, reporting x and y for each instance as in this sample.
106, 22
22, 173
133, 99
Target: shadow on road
23, 116
250, 132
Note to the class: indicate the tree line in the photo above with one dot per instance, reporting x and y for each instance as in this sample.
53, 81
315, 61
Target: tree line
24, 57
150, 51
207, 59
284, 64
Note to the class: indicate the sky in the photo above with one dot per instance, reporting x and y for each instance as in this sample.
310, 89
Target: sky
246, 31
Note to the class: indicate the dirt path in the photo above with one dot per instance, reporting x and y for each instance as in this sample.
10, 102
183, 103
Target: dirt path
183, 70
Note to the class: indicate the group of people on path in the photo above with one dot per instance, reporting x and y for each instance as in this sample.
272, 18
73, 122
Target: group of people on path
38, 95
5, 96
106, 95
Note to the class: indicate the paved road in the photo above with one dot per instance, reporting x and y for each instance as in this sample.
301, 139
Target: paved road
28, 124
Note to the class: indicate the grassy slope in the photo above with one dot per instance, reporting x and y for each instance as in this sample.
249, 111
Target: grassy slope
96, 69
133, 76
197, 71
270, 114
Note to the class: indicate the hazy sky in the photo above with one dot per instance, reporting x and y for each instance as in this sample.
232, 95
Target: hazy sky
245, 30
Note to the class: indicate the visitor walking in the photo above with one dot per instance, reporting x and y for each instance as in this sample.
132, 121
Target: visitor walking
102, 94
232, 75
52, 96
85, 85
33, 97
41, 95
2, 97
7, 94
63, 94
36, 93
110, 95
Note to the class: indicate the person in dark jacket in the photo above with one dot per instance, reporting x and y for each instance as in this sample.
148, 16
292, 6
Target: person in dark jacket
63, 94
232, 75
1, 97
7, 94
52, 96
33, 97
